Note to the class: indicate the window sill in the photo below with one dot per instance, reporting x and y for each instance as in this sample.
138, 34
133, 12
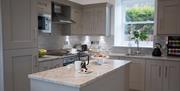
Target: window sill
143, 44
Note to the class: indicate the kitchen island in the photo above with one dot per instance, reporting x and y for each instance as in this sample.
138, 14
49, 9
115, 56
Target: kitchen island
112, 75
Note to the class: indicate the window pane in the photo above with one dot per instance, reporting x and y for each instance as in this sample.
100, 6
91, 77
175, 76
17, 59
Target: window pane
148, 28
140, 13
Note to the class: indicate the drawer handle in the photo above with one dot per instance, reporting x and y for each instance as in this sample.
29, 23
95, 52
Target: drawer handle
166, 72
160, 71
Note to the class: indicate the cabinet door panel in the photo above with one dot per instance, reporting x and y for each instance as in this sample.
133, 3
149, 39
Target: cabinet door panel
96, 19
18, 64
76, 15
100, 21
44, 66
57, 63
137, 74
88, 21
17, 20
154, 75
171, 76
168, 17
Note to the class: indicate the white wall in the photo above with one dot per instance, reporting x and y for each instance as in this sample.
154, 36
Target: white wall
1, 56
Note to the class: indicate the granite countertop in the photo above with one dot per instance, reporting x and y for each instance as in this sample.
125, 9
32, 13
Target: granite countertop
50, 57
146, 57
68, 76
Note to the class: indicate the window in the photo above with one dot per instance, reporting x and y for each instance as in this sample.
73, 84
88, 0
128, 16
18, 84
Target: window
134, 15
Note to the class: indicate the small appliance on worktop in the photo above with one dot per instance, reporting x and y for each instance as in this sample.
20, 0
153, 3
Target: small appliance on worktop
157, 50
173, 46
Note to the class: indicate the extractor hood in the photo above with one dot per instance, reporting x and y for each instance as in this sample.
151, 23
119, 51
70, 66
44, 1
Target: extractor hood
61, 13
61, 20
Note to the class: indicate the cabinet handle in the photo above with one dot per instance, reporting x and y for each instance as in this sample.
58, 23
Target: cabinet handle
36, 61
160, 71
166, 72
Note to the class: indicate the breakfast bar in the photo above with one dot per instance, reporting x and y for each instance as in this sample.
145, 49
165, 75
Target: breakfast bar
110, 75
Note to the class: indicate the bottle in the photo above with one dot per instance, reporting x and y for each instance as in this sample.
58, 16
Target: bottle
67, 45
129, 48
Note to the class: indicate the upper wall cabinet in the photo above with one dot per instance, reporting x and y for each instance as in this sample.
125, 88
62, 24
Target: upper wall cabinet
44, 6
19, 24
96, 19
74, 28
168, 17
76, 15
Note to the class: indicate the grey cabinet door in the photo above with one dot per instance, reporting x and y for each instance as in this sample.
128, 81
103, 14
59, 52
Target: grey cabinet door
99, 21
44, 66
168, 19
136, 73
88, 26
17, 65
44, 6
19, 24
50, 64
96, 19
76, 15
154, 75
171, 81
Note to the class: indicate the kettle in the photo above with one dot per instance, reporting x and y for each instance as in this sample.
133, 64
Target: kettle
157, 50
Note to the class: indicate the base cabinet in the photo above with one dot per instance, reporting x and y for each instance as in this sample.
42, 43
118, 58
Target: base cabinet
50, 64
162, 76
17, 65
136, 74
172, 76
152, 74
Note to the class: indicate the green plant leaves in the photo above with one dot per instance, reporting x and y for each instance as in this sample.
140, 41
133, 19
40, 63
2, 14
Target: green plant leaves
139, 35
145, 13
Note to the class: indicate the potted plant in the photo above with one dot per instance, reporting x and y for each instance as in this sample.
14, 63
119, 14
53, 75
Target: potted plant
138, 35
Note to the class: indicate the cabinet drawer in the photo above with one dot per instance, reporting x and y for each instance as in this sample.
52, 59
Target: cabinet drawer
44, 66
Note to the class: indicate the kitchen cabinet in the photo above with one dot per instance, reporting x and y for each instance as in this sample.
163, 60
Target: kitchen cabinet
50, 64
96, 19
136, 74
17, 65
19, 28
154, 75
44, 6
76, 16
172, 74
162, 76
19, 22
168, 19
76, 27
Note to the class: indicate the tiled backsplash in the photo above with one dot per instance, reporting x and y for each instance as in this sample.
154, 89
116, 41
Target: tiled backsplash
55, 41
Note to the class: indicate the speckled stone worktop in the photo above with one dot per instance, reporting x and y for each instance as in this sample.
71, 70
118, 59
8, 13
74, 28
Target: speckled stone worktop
165, 58
50, 57
68, 76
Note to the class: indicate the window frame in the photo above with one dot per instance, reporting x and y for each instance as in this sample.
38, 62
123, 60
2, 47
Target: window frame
123, 42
